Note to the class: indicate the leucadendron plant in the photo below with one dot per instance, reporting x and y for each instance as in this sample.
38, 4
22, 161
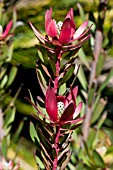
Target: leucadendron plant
57, 112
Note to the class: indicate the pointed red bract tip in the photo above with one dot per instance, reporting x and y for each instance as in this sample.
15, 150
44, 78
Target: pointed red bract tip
50, 24
7, 30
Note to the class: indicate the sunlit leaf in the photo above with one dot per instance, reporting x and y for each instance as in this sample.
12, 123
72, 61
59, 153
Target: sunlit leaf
4, 81
100, 64
33, 132
62, 89
98, 110
106, 81
10, 116
67, 75
82, 78
99, 163
83, 58
12, 75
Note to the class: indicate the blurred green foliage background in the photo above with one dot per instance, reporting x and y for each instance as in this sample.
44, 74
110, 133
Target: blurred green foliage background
25, 56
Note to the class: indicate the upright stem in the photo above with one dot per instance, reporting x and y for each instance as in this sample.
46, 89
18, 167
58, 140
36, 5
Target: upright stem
93, 79
57, 65
56, 146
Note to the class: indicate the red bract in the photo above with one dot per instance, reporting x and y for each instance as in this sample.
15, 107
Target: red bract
62, 109
7, 31
65, 36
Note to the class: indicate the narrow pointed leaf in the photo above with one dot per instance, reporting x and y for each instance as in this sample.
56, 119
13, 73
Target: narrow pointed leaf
67, 76
106, 81
100, 64
99, 163
33, 132
82, 78
98, 110
12, 75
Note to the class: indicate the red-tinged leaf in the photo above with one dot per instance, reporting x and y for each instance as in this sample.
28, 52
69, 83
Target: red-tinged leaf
44, 138
78, 44
68, 113
51, 29
39, 112
72, 95
66, 31
51, 104
45, 152
46, 70
41, 80
75, 127
38, 34
48, 48
80, 30
45, 124
68, 157
77, 110
85, 32
74, 121
48, 17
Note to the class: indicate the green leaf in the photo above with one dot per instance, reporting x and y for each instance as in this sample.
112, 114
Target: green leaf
91, 138
40, 55
32, 101
91, 95
62, 89
104, 84
12, 75
102, 120
33, 132
39, 162
81, 11
82, 78
98, 110
83, 58
4, 81
10, 116
4, 147
110, 150
67, 75
42, 81
18, 131
99, 163
100, 64
14, 19
3, 57
2, 72
10, 53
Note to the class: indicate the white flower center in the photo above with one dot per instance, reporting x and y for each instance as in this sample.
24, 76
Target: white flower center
61, 108
59, 25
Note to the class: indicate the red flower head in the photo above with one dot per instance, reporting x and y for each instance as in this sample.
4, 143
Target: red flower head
66, 34
67, 28
62, 109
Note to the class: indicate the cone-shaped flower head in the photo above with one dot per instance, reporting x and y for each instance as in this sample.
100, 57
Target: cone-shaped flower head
62, 34
61, 108
67, 29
